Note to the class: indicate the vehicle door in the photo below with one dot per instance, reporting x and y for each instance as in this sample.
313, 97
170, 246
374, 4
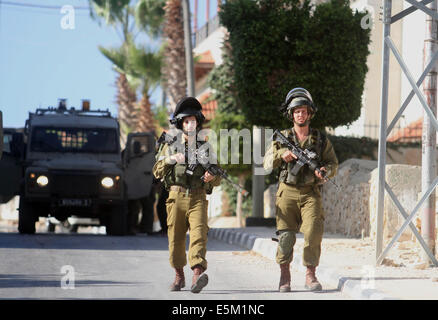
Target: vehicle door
139, 159
11, 164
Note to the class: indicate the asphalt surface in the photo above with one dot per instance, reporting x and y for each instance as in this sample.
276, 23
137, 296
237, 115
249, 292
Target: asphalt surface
94, 266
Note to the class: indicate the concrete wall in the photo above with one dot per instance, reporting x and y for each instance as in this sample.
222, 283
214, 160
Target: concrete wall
9, 211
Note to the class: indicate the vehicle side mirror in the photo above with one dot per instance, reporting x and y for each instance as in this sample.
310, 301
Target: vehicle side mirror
17, 144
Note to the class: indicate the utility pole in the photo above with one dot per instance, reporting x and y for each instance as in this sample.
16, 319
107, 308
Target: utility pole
188, 49
428, 160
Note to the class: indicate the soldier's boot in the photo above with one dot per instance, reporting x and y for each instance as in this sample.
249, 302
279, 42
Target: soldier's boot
284, 285
200, 279
179, 280
312, 282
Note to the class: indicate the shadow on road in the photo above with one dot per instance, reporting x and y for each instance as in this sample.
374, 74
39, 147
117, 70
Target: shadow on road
81, 242
50, 281
266, 291
95, 242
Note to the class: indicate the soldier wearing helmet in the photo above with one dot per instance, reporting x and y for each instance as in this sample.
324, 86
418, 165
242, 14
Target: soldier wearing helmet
186, 204
298, 199
187, 107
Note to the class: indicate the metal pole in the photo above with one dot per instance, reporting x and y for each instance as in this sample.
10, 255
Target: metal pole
387, 8
188, 49
195, 17
163, 97
428, 161
408, 219
258, 181
207, 12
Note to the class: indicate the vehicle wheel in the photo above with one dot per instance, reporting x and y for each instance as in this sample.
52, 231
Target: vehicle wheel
26, 217
117, 220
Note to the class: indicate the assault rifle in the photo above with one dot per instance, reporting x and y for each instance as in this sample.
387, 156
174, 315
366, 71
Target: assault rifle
215, 170
201, 158
166, 138
304, 157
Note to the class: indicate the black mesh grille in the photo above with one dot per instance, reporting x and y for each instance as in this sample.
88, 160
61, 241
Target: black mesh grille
72, 185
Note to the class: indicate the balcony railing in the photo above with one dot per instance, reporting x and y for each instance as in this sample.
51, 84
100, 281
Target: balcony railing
202, 33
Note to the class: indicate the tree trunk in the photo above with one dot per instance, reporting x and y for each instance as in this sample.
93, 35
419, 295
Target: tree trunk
146, 120
126, 99
174, 70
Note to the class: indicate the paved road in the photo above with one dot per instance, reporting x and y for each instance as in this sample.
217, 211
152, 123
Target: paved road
91, 266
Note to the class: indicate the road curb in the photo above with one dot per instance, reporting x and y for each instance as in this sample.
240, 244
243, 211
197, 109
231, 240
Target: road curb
266, 247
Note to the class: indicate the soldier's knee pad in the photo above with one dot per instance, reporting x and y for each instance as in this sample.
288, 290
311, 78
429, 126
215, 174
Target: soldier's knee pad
286, 240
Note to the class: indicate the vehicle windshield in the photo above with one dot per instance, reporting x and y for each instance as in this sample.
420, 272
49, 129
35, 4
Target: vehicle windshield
89, 140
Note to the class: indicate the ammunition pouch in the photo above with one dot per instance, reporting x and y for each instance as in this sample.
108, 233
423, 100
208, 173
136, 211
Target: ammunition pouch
289, 172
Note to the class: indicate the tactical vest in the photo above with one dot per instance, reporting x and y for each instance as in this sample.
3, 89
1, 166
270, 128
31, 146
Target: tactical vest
305, 176
178, 176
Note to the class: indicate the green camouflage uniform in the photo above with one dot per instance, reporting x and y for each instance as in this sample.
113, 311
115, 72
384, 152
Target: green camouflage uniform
185, 210
298, 199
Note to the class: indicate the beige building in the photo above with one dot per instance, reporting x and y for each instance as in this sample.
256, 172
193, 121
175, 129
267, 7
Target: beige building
408, 35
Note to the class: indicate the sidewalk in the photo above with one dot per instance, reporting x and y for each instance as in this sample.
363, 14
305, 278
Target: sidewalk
348, 264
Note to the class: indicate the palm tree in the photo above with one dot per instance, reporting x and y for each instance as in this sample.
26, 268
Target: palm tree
147, 64
117, 13
135, 67
126, 96
145, 68
174, 71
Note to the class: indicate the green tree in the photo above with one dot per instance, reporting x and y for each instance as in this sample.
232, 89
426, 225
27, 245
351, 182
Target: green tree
281, 44
229, 116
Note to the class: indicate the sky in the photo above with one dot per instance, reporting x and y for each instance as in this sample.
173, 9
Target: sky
44, 56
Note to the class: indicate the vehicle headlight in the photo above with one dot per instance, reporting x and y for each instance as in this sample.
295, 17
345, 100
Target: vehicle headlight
107, 182
42, 181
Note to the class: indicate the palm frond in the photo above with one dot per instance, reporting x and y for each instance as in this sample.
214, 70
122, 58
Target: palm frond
149, 15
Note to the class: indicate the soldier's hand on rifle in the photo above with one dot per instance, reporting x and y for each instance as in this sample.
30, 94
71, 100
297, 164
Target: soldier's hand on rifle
208, 177
179, 158
288, 156
320, 175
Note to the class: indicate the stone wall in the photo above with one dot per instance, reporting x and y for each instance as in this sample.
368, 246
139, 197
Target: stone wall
352, 210
405, 182
347, 209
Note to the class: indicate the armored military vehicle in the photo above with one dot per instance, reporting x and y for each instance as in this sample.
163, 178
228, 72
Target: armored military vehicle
68, 163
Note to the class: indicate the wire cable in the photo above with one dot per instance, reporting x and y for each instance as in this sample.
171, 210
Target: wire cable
30, 5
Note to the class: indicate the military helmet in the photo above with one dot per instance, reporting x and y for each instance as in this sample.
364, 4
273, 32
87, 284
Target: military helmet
295, 98
187, 106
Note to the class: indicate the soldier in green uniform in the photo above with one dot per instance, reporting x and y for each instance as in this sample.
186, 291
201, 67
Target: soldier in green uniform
186, 204
298, 198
